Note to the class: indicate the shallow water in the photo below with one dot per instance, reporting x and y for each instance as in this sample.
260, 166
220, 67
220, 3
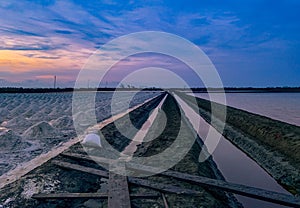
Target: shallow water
234, 164
280, 106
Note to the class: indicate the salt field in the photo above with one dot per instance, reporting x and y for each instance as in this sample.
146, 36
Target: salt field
34, 123
39, 144
280, 106
235, 165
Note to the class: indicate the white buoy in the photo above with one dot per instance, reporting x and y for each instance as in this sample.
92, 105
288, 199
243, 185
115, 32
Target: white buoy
92, 140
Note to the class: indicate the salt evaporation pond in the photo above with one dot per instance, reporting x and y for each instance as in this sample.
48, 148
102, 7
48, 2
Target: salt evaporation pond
34, 123
235, 165
280, 106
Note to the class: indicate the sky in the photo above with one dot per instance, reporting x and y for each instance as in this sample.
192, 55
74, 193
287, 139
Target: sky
252, 43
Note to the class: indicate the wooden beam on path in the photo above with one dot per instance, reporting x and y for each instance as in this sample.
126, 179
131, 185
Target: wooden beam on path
70, 196
136, 181
118, 192
91, 158
256, 193
165, 200
88, 196
164, 187
80, 168
107, 161
252, 192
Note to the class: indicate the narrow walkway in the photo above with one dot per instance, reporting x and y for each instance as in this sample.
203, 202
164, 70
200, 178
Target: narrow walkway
140, 135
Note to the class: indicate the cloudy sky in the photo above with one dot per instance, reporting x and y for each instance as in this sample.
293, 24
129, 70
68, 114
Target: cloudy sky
251, 42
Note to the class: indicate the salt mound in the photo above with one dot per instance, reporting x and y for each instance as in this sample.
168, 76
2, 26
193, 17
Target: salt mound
68, 110
18, 121
40, 130
56, 113
47, 110
29, 113
4, 114
64, 122
10, 141
40, 115
18, 110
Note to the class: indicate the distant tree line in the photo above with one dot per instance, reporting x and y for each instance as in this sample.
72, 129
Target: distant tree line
248, 89
33, 90
227, 89
51, 90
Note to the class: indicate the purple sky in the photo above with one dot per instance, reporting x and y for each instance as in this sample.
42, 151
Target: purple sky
251, 43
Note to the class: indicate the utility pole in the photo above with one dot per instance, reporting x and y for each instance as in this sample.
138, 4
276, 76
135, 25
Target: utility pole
54, 84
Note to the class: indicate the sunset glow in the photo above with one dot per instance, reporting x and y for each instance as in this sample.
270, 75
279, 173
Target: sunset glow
246, 41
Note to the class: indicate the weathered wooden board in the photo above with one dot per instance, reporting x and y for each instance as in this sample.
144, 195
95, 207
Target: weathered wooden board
165, 200
164, 187
70, 196
118, 192
137, 181
80, 168
100, 160
270, 196
88, 196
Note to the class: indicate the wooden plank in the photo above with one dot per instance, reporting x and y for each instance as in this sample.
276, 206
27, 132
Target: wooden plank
70, 196
81, 168
165, 200
77, 156
137, 181
257, 193
107, 161
88, 196
261, 194
164, 187
118, 192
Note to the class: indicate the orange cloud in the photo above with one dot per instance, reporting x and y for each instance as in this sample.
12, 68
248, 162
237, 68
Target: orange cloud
16, 62
19, 61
